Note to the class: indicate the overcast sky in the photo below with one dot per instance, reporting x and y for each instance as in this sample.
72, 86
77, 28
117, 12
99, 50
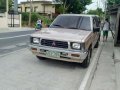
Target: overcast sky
92, 6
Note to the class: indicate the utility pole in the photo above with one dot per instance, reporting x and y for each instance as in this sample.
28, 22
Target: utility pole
97, 4
7, 8
30, 13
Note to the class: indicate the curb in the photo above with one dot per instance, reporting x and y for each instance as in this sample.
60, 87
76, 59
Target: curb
86, 82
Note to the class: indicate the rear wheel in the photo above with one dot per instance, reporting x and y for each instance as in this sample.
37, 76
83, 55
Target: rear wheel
86, 62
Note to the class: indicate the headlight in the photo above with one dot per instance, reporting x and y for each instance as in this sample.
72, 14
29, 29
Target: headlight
76, 45
36, 40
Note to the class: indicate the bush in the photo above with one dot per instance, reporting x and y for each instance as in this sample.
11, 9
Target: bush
34, 18
25, 16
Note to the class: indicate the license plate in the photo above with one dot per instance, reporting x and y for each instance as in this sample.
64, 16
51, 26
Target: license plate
52, 54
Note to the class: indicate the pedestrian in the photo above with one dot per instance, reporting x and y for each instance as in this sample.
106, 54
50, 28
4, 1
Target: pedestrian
106, 28
39, 24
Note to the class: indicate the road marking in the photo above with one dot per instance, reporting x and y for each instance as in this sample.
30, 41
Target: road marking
13, 46
16, 51
14, 37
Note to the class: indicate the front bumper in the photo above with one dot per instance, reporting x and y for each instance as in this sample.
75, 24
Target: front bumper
64, 54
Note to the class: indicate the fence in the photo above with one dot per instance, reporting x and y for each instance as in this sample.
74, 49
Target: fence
14, 20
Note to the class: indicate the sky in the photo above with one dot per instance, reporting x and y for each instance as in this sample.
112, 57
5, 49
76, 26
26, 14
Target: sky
92, 6
95, 4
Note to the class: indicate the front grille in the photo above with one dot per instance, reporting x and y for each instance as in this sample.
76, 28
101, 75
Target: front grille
54, 43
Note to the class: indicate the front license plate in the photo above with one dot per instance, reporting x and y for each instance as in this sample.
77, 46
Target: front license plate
52, 54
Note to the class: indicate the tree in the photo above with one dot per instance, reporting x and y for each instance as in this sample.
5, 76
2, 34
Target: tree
2, 5
113, 2
98, 12
78, 6
73, 6
10, 4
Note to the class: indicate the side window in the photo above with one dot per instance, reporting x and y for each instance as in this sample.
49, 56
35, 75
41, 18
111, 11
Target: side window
97, 21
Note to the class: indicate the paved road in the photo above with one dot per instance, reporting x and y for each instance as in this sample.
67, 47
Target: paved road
11, 41
21, 70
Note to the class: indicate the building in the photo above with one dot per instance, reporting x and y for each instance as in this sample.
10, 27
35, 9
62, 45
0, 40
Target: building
114, 12
39, 6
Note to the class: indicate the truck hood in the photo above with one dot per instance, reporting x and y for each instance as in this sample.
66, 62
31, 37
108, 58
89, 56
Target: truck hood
62, 34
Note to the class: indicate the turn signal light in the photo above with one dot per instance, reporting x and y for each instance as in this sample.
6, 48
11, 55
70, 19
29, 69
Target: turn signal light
34, 49
75, 55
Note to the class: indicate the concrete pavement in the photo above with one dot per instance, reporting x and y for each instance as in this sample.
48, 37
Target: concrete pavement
117, 66
21, 70
107, 74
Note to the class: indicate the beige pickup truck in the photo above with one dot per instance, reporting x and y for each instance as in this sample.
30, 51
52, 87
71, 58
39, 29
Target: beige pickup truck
70, 37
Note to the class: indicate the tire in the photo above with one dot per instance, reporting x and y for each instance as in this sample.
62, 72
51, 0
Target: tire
41, 58
86, 62
97, 44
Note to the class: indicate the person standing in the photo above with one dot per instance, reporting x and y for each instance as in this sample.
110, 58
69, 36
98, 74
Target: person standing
106, 28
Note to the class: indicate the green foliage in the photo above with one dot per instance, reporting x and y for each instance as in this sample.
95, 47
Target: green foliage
113, 2
78, 6
98, 12
25, 16
10, 3
34, 18
73, 6
2, 5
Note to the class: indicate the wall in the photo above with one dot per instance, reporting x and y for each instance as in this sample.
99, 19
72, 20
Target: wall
117, 37
3, 20
50, 8
113, 19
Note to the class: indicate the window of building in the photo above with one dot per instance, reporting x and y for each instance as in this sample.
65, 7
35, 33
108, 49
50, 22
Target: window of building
35, 9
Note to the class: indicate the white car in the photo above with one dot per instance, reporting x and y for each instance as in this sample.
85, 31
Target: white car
70, 37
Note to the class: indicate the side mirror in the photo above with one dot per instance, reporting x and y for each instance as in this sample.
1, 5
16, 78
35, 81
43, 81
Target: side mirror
97, 29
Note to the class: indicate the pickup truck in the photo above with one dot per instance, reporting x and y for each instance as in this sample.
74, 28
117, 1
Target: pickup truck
70, 37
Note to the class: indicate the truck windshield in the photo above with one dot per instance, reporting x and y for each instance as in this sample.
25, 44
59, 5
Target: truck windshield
72, 22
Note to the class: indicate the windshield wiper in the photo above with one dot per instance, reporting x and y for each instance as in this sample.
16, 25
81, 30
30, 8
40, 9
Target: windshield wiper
58, 25
84, 29
72, 28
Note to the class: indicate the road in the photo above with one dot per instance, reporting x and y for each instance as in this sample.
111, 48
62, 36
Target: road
11, 41
21, 70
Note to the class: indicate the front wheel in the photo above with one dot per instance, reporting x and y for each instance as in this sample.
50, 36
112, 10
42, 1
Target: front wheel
97, 44
86, 62
41, 58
